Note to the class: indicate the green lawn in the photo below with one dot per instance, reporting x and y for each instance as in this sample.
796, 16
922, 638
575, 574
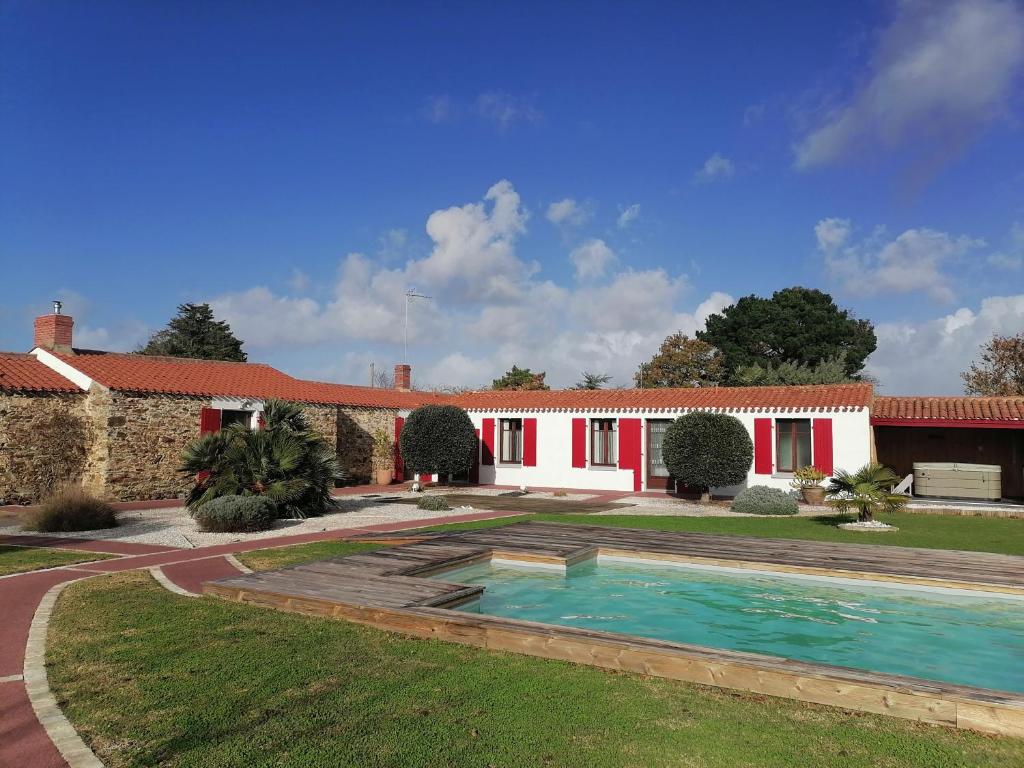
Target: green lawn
982, 534
152, 678
279, 557
21, 559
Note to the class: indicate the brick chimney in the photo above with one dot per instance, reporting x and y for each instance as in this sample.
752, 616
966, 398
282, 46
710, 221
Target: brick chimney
403, 377
53, 332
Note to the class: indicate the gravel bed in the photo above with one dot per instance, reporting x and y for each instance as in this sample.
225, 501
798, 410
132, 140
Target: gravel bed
686, 508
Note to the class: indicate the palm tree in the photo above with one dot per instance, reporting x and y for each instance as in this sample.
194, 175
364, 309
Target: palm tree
285, 461
868, 490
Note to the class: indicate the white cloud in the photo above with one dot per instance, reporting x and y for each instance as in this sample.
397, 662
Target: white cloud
939, 73
715, 168
1012, 258
629, 214
504, 109
439, 109
592, 259
299, 281
928, 357
567, 211
914, 261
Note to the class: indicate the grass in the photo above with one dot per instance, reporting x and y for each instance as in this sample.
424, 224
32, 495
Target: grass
981, 534
280, 557
22, 559
151, 678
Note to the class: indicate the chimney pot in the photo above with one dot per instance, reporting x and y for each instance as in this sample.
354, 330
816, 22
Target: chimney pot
54, 332
403, 377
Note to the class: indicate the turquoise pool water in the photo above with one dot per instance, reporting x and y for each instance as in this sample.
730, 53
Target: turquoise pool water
936, 635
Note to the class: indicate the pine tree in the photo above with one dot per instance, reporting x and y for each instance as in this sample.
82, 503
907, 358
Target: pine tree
194, 332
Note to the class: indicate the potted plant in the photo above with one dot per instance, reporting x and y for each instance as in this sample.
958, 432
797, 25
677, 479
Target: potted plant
808, 481
383, 459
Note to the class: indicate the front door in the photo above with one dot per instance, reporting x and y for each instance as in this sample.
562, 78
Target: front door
657, 472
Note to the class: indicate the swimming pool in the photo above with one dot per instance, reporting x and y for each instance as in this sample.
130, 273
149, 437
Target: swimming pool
946, 635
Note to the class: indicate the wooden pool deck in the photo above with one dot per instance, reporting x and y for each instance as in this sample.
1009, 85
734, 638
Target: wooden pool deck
388, 589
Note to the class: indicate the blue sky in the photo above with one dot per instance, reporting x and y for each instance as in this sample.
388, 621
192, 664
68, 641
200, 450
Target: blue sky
570, 182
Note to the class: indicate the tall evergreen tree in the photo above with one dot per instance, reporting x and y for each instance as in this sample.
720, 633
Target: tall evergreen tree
593, 380
796, 325
194, 332
682, 362
520, 378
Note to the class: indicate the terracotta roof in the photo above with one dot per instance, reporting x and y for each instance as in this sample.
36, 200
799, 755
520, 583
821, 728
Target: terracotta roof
23, 373
184, 376
955, 408
828, 396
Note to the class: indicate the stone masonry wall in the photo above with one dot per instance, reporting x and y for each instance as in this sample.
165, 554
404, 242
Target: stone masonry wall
33, 457
355, 438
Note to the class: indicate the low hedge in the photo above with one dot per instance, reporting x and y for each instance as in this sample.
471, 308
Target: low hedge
762, 500
433, 503
236, 514
72, 509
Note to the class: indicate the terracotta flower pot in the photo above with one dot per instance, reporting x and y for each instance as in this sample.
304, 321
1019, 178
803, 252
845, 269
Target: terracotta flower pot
383, 476
814, 495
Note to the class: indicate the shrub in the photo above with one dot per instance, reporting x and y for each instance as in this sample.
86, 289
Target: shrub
762, 500
438, 438
72, 509
433, 503
236, 514
807, 477
707, 450
286, 461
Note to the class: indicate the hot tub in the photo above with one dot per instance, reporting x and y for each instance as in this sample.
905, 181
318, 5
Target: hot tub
958, 481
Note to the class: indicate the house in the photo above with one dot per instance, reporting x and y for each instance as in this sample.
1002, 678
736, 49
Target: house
119, 422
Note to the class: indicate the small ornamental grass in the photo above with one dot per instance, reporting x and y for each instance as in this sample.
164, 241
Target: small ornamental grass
236, 514
433, 503
72, 509
762, 500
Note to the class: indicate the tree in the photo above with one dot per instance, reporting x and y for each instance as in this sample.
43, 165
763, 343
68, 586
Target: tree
707, 450
520, 378
286, 461
438, 438
830, 371
195, 333
593, 380
682, 362
868, 490
796, 325
1001, 371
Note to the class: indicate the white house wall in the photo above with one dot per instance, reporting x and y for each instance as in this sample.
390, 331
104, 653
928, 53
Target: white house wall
850, 448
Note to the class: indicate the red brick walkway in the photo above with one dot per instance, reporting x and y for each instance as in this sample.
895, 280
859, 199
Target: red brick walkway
23, 741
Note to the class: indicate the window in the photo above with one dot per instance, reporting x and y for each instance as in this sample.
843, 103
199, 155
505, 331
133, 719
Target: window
602, 443
510, 441
792, 444
227, 418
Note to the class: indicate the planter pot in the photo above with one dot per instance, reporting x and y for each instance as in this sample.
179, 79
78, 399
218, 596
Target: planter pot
383, 476
815, 495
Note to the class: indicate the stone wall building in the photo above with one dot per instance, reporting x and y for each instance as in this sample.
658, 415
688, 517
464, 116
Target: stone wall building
133, 415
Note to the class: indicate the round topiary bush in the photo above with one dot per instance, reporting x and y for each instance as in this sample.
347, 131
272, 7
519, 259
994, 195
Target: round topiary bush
762, 500
433, 503
236, 514
707, 450
72, 509
438, 438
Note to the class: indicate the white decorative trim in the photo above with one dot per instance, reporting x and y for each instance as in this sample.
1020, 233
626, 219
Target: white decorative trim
166, 583
12, 679
54, 363
58, 728
238, 564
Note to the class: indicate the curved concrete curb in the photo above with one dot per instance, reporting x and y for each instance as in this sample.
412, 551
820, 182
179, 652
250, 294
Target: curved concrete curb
37, 686
238, 564
161, 579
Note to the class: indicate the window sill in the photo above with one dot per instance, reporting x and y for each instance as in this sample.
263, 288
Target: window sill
602, 467
509, 464
782, 475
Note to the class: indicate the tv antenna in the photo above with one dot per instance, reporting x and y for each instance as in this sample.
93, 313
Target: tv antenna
409, 296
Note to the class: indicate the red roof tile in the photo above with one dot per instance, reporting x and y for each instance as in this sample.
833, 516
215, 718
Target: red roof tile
184, 376
949, 408
23, 373
729, 398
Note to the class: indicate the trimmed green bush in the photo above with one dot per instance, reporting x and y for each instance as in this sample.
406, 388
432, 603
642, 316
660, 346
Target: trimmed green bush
433, 503
236, 514
707, 450
762, 500
438, 438
72, 509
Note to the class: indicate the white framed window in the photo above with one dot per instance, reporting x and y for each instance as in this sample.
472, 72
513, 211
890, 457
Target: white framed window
603, 442
510, 441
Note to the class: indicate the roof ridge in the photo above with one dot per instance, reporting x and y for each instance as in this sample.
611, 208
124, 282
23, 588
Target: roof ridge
79, 352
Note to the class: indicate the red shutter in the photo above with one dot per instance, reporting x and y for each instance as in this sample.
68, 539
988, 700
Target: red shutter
762, 446
209, 420
399, 464
629, 448
579, 443
487, 435
822, 445
529, 442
